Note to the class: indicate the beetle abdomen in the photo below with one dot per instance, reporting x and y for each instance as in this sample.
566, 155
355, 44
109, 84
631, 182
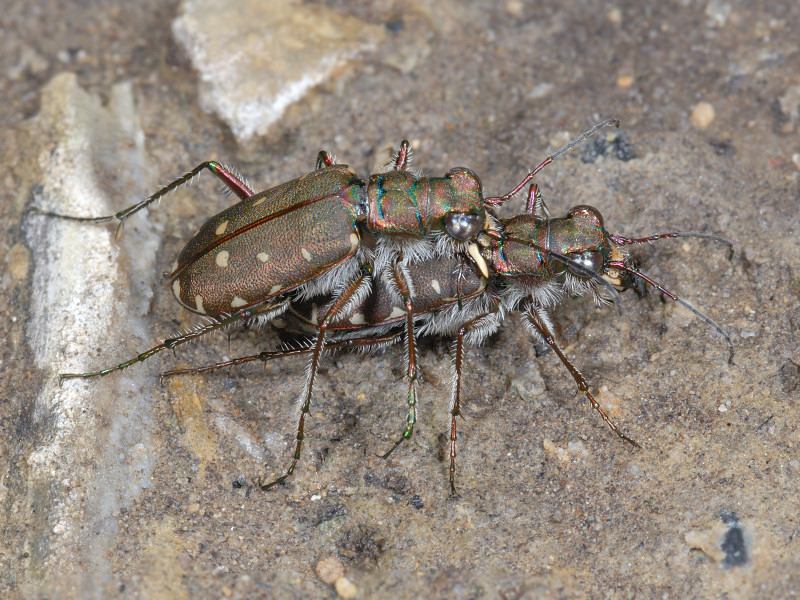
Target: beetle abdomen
269, 244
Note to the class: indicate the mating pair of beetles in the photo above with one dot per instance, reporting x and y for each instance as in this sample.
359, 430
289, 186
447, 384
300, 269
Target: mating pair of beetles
367, 263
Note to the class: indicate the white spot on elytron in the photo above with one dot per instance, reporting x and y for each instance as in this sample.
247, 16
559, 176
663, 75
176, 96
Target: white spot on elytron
353, 242
222, 258
397, 312
275, 289
175, 266
222, 227
306, 254
358, 319
259, 201
238, 302
262, 256
436, 287
198, 300
176, 288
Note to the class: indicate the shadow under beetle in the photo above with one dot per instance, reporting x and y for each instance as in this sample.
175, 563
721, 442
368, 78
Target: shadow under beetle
437, 258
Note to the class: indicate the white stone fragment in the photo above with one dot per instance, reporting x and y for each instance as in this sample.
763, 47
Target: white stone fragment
255, 57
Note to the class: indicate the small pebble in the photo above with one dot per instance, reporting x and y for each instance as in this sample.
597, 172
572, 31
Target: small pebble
329, 570
577, 448
625, 81
615, 16
789, 103
514, 8
554, 451
345, 588
707, 542
718, 12
703, 115
527, 382
18, 260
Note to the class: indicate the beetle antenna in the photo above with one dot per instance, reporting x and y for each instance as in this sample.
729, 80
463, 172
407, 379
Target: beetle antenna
706, 319
623, 241
498, 200
588, 133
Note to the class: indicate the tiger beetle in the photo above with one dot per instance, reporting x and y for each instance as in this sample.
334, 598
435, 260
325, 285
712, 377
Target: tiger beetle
305, 238
532, 261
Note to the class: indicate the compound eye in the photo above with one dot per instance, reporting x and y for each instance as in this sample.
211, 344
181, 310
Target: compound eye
463, 226
591, 260
586, 213
459, 171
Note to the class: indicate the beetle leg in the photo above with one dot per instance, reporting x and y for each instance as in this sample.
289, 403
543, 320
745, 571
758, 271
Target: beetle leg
403, 156
535, 204
362, 343
324, 160
403, 283
233, 183
498, 200
350, 296
268, 311
455, 402
537, 318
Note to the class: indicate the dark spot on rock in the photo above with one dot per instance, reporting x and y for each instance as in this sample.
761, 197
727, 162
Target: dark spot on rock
733, 542
361, 545
329, 512
618, 146
395, 26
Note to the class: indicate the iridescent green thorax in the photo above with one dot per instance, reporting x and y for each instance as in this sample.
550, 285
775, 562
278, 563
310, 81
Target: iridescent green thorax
572, 235
515, 251
525, 240
396, 203
400, 203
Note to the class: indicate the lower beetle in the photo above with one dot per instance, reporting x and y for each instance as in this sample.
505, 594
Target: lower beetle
532, 260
